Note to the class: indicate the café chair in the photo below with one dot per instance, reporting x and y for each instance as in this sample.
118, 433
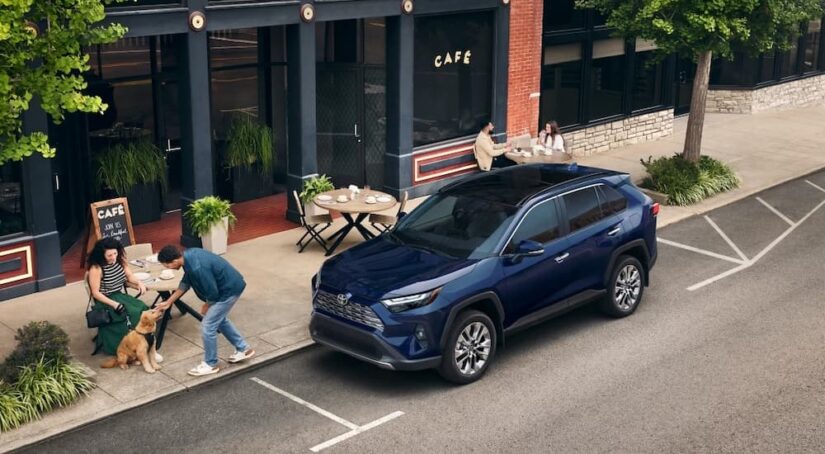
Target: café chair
314, 225
383, 222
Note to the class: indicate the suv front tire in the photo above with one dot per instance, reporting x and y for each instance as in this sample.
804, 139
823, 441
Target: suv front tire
470, 348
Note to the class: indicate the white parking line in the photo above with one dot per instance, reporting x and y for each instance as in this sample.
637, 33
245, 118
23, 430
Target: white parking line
727, 240
815, 185
355, 429
775, 211
758, 256
700, 251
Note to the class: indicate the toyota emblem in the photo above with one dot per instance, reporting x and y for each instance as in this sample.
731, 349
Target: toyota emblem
342, 299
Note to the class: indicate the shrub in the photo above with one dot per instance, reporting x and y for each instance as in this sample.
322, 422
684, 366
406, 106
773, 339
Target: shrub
36, 341
315, 186
685, 182
206, 212
14, 409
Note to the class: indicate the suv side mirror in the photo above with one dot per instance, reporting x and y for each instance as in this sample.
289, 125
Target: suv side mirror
527, 248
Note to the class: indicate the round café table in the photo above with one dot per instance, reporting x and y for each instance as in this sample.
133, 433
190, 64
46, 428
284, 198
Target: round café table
164, 289
357, 207
537, 157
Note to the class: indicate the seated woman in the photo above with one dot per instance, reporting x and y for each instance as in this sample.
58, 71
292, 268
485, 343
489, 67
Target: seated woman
551, 139
107, 275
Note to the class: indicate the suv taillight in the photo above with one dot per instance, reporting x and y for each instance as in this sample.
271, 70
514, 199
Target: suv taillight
654, 209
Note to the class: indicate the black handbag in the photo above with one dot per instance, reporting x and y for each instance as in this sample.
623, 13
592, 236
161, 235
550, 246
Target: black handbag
97, 317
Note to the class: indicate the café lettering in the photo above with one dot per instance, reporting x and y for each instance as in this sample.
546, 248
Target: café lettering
111, 212
459, 56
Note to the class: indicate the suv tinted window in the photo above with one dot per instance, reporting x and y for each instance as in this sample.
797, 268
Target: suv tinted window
582, 208
540, 224
612, 201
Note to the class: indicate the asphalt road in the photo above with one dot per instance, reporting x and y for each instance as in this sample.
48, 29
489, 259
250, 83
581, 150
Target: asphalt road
735, 365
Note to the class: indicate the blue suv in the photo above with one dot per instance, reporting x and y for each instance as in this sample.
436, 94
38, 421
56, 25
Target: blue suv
484, 257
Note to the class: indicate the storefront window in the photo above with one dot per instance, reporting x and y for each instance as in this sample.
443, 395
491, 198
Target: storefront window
127, 57
233, 57
561, 83
233, 48
647, 81
810, 60
453, 75
11, 200
766, 72
741, 71
607, 79
562, 15
788, 61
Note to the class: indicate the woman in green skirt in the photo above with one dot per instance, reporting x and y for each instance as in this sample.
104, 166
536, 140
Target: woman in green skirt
107, 275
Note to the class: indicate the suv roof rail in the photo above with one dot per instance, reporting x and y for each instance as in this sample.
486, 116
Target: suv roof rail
602, 173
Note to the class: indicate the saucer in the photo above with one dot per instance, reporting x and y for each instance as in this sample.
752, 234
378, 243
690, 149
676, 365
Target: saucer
342, 199
383, 199
151, 258
370, 202
324, 198
167, 278
141, 276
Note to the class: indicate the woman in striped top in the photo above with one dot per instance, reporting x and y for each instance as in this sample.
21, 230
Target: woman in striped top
107, 275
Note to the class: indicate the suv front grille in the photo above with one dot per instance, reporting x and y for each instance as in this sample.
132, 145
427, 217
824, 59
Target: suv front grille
350, 311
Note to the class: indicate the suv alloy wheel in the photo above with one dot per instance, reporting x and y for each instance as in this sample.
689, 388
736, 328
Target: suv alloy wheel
470, 348
625, 288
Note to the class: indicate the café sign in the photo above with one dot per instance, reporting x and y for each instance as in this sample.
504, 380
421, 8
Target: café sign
450, 58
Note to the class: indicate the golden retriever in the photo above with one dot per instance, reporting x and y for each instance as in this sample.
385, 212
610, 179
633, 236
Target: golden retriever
134, 347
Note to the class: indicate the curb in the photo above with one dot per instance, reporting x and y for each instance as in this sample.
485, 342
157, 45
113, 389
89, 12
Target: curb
170, 392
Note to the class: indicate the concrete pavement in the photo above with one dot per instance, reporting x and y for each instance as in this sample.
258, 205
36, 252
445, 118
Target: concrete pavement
764, 149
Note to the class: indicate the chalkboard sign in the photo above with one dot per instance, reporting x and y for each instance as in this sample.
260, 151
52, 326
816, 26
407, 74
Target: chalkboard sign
111, 219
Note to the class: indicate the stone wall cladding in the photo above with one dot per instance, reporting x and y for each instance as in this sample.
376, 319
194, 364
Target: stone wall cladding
620, 133
786, 95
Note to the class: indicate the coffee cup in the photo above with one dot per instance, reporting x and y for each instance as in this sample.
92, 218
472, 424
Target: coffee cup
342, 198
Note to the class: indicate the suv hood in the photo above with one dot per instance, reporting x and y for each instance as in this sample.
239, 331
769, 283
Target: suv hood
380, 268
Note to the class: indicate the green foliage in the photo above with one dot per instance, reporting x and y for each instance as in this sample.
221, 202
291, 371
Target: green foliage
206, 212
123, 166
36, 341
41, 43
685, 182
315, 186
692, 27
249, 142
15, 409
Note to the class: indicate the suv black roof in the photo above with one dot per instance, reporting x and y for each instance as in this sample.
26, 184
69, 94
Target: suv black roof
516, 184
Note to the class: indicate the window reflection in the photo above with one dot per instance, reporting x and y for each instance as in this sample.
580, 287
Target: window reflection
561, 83
810, 58
647, 81
607, 78
11, 200
562, 15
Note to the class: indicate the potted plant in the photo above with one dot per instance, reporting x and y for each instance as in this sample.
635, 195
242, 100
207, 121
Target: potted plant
313, 187
135, 170
249, 159
210, 218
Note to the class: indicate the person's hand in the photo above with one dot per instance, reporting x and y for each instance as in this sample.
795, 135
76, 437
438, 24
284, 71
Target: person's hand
204, 308
163, 305
141, 288
120, 309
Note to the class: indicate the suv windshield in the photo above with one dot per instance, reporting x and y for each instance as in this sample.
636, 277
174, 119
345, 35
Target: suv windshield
455, 225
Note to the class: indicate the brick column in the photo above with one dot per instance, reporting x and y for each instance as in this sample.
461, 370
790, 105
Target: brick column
524, 82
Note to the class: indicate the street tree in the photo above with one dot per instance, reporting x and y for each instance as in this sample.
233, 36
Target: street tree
703, 29
41, 55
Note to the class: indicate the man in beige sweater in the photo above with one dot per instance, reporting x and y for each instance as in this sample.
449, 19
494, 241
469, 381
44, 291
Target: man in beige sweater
485, 149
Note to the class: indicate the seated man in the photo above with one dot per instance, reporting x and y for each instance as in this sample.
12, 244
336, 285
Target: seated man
485, 149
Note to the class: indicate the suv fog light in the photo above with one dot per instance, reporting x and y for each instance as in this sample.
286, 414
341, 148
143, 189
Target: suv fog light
420, 334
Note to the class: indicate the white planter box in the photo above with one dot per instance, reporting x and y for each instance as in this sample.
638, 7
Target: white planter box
216, 240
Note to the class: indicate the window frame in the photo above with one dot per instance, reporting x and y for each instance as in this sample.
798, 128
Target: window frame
559, 216
601, 193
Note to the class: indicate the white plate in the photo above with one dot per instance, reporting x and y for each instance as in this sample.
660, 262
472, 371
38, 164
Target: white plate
324, 198
151, 258
368, 202
383, 199
167, 278
141, 276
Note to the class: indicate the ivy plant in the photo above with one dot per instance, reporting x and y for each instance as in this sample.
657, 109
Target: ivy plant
41, 43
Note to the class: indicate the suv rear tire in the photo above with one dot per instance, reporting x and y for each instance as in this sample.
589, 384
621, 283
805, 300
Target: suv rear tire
470, 348
625, 288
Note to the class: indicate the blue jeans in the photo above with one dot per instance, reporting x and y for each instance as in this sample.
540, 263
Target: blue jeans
214, 320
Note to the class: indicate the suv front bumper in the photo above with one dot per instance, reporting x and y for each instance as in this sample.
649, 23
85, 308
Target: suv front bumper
363, 345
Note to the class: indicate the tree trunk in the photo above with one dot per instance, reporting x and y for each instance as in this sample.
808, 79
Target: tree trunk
696, 119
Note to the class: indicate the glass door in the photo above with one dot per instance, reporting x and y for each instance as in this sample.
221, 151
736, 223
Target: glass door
340, 127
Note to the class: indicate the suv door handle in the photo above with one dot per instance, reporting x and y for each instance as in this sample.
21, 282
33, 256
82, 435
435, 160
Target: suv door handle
614, 230
561, 258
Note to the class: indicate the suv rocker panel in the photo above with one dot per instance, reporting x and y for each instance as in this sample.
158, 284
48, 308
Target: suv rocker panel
555, 310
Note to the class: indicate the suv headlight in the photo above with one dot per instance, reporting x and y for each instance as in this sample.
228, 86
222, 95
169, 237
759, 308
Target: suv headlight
316, 282
403, 303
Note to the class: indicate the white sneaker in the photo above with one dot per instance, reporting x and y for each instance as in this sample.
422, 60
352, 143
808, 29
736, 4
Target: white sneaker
158, 358
203, 369
240, 356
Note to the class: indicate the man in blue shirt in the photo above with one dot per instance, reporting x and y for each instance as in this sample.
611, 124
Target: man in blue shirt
219, 285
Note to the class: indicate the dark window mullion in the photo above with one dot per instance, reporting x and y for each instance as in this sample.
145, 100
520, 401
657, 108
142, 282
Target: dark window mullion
586, 81
629, 75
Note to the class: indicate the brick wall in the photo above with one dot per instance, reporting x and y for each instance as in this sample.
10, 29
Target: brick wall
524, 79
788, 94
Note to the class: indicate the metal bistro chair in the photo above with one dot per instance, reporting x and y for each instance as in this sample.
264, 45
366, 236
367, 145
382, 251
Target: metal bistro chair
383, 222
311, 223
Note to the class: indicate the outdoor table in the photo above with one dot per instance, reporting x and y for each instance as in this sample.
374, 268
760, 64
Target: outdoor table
164, 289
537, 156
358, 207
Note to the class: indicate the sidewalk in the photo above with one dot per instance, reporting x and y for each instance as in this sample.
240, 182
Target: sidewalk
764, 149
